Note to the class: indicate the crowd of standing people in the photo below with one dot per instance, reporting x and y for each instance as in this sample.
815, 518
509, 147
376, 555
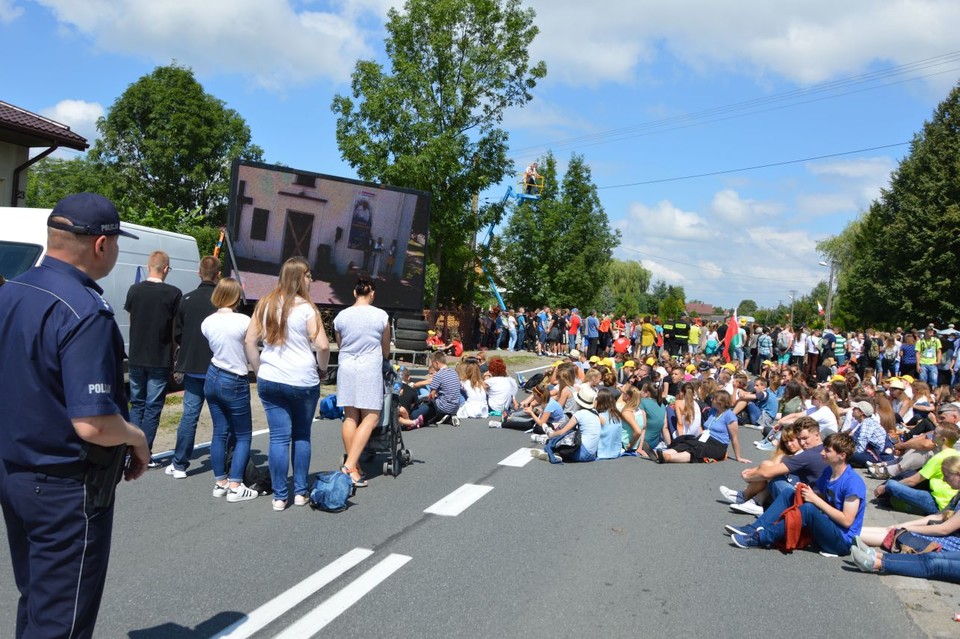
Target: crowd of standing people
671, 391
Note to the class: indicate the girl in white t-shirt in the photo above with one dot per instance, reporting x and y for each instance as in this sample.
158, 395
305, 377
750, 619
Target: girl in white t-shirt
288, 379
227, 391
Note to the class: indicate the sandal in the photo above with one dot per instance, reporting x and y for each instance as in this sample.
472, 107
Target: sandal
358, 480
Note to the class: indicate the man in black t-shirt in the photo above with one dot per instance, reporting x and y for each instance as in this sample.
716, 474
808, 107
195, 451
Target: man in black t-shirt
152, 305
192, 360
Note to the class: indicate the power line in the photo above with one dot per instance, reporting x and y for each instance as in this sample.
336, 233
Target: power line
752, 168
750, 106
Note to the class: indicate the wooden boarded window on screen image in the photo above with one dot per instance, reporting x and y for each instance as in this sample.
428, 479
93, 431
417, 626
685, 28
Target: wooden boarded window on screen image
305, 180
258, 226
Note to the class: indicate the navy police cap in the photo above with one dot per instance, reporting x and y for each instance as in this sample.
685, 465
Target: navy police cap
89, 214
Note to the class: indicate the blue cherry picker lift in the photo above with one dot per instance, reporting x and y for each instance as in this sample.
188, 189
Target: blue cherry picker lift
522, 192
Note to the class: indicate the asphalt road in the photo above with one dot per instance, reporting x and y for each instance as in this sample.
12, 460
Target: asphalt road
619, 548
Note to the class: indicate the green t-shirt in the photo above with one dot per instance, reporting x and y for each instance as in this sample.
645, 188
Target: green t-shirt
932, 471
927, 351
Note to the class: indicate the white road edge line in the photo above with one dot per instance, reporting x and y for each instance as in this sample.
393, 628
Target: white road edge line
270, 611
518, 459
169, 453
319, 617
459, 500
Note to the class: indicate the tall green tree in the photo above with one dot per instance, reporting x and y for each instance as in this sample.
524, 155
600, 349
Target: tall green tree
746, 307
51, 179
628, 282
902, 260
168, 144
558, 249
432, 121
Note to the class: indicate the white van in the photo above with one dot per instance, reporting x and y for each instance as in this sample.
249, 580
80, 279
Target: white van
24, 242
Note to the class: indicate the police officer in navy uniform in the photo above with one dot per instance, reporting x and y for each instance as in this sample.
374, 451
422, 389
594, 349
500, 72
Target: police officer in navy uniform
64, 435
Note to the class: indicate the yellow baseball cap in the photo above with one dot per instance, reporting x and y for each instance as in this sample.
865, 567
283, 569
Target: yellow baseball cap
650, 361
594, 359
907, 379
730, 367
629, 364
691, 368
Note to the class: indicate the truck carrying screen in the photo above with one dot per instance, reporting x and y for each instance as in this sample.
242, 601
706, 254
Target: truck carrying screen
343, 228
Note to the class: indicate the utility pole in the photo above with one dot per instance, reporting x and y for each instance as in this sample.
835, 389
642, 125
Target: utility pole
793, 297
826, 315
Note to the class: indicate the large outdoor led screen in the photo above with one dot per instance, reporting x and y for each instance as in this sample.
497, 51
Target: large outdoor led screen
343, 228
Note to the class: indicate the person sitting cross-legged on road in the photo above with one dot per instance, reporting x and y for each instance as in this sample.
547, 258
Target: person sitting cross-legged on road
832, 512
779, 474
943, 529
925, 492
444, 399
587, 420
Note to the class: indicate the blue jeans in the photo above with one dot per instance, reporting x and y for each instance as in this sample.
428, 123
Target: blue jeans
738, 354
912, 500
228, 395
148, 386
290, 411
581, 455
944, 566
513, 340
928, 374
193, 395
826, 534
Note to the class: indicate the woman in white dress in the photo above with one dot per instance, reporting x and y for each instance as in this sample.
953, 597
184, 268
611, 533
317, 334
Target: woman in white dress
363, 335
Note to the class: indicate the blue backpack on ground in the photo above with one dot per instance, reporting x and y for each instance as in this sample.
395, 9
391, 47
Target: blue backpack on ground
329, 408
332, 491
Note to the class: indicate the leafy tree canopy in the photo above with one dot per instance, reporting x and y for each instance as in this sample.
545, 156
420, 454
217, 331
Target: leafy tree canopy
432, 121
168, 144
558, 249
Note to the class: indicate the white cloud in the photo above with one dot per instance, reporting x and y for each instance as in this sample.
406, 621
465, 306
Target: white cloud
854, 183
817, 204
80, 116
267, 39
730, 207
806, 42
663, 222
9, 11
720, 262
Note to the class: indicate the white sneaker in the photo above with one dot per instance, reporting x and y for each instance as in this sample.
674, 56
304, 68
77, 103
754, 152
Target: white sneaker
241, 493
176, 474
539, 439
279, 505
748, 507
219, 490
537, 453
455, 420
731, 495
301, 500
548, 432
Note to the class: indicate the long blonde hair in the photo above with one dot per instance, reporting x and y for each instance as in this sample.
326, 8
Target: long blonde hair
471, 374
271, 313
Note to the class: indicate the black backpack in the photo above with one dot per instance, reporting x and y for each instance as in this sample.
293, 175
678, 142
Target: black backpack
254, 478
533, 382
873, 351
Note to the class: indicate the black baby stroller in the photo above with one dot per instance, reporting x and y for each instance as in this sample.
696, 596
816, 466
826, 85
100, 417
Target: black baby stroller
387, 437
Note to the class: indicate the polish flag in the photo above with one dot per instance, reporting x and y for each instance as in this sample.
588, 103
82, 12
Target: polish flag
819, 307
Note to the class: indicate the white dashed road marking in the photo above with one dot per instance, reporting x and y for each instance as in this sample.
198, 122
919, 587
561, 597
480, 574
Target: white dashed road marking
459, 500
333, 607
270, 611
518, 459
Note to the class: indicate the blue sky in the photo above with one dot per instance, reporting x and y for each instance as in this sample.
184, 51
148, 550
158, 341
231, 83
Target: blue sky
646, 91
